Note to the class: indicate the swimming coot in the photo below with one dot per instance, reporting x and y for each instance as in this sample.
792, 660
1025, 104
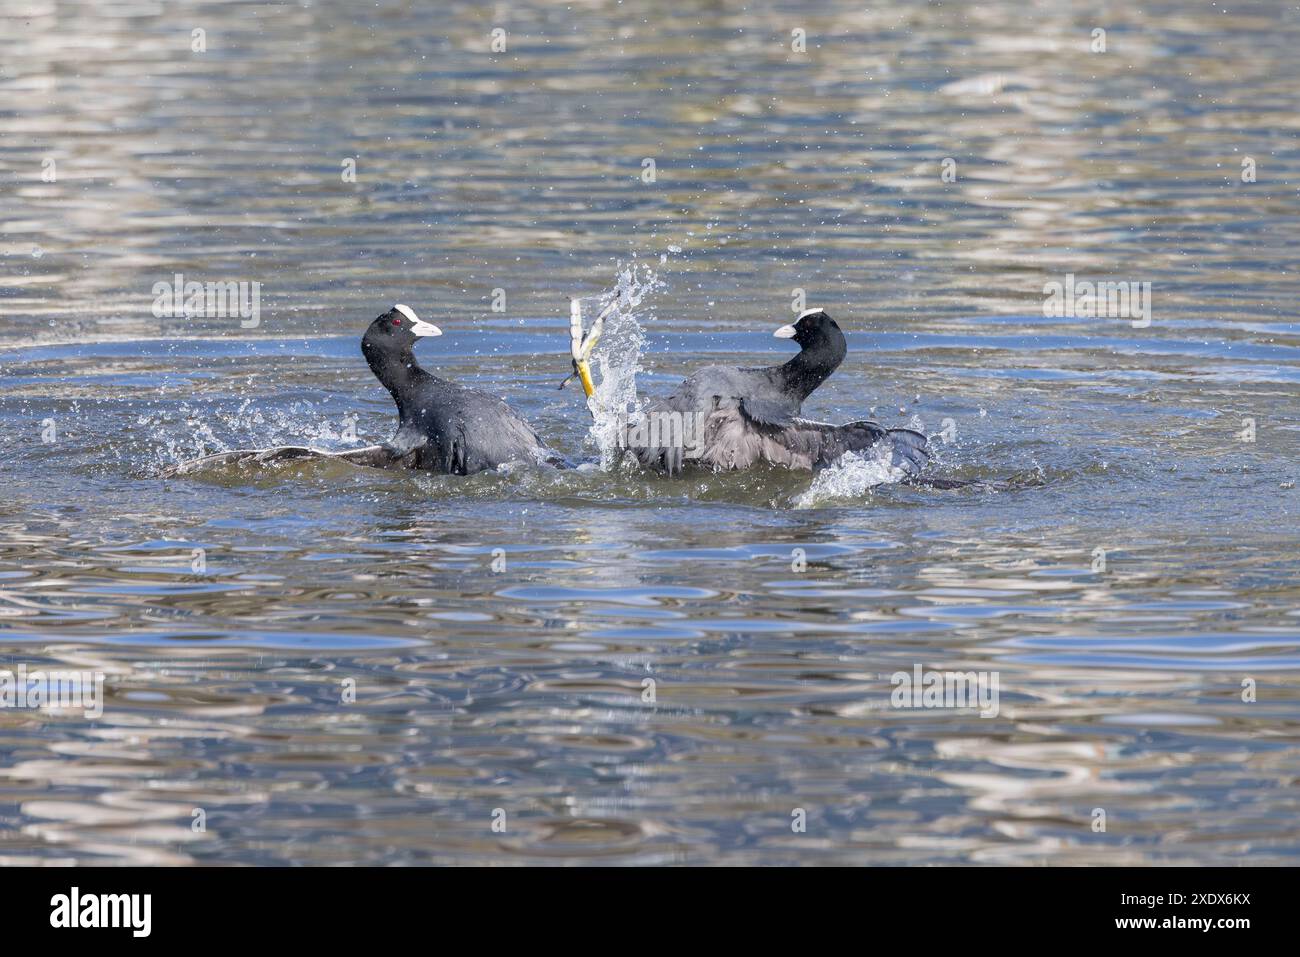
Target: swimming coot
743, 417
442, 426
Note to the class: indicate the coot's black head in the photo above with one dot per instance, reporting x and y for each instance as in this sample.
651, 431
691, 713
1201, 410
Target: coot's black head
395, 331
815, 330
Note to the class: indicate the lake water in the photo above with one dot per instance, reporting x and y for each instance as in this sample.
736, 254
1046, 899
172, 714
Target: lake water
611, 667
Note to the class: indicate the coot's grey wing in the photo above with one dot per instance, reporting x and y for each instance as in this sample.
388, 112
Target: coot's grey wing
238, 455
686, 397
733, 441
702, 391
769, 410
911, 447
377, 456
823, 444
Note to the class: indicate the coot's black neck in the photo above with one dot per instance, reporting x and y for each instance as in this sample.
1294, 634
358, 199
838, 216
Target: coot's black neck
813, 365
395, 369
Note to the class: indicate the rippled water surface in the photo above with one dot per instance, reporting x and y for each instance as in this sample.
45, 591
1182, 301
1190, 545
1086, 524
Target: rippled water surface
1130, 572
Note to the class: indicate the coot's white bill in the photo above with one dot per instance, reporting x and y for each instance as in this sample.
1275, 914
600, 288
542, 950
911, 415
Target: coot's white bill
418, 326
785, 332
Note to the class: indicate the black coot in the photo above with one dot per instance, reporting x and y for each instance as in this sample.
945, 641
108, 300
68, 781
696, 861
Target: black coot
743, 417
442, 426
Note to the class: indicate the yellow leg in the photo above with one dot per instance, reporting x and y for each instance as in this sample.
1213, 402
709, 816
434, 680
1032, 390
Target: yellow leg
584, 374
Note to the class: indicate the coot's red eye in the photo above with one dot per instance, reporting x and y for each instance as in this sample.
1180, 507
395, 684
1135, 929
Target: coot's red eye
397, 322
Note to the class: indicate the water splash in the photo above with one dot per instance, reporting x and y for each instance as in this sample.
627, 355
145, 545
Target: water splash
852, 476
205, 430
617, 358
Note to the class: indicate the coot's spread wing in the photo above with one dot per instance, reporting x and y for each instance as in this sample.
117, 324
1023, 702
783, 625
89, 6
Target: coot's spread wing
905, 449
732, 441
376, 456
910, 450
769, 410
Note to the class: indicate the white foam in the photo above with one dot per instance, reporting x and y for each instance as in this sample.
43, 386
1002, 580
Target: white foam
853, 476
